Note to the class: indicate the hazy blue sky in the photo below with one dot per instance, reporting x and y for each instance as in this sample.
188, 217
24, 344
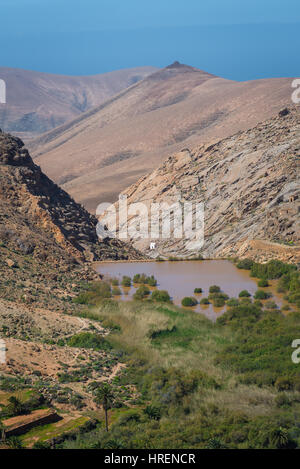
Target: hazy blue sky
239, 39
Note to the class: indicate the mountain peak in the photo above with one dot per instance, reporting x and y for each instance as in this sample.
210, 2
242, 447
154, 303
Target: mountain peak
177, 64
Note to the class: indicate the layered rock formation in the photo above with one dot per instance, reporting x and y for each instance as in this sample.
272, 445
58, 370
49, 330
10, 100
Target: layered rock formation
44, 234
249, 184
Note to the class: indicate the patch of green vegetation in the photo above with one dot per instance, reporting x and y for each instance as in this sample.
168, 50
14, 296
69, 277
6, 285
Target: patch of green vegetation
204, 301
262, 283
141, 293
198, 384
273, 269
262, 295
232, 302
245, 264
262, 350
244, 294
94, 293
126, 281
189, 301
161, 296
53, 430
89, 340
116, 291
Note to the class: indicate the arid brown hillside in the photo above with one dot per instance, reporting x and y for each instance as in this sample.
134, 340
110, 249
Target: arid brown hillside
38, 102
108, 148
250, 186
44, 234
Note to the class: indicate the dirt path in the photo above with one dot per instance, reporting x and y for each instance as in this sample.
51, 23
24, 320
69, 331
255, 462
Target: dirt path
85, 324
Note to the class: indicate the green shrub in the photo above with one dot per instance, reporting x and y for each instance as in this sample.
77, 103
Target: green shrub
88, 340
282, 400
94, 294
214, 289
262, 283
189, 301
198, 290
141, 293
204, 301
153, 412
232, 302
130, 415
244, 294
283, 383
161, 296
245, 264
261, 295
116, 291
258, 303
126, 281
271, 305
219, 302
271, 270
139, 278
246, 300
151, 281
115, 282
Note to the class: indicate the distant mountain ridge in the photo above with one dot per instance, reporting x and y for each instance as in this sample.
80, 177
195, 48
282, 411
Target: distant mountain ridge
38, 102
105, 150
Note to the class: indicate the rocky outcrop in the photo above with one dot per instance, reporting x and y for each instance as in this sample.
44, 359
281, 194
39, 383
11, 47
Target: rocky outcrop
30, 199
249, 184
47, 240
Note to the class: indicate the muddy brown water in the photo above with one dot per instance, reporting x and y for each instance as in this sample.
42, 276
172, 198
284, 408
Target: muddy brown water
181, 278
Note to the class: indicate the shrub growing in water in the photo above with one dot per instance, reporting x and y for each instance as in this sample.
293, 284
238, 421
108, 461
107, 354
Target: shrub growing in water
189, 301
204, 301
218, 302
141, 293
151, 281
244, 294
161, 296
262, 295
126, 281
139, 278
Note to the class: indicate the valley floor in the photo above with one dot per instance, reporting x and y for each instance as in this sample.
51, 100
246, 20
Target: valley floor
177, 379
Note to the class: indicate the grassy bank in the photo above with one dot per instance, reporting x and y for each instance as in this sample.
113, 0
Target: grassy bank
196, 384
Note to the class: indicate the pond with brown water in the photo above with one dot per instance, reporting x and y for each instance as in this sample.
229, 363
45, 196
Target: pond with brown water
181, 278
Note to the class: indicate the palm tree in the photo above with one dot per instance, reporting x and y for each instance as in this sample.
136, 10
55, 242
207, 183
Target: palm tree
279, 437
105, 397
2, 431
152, 412
15, 405
14, 443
